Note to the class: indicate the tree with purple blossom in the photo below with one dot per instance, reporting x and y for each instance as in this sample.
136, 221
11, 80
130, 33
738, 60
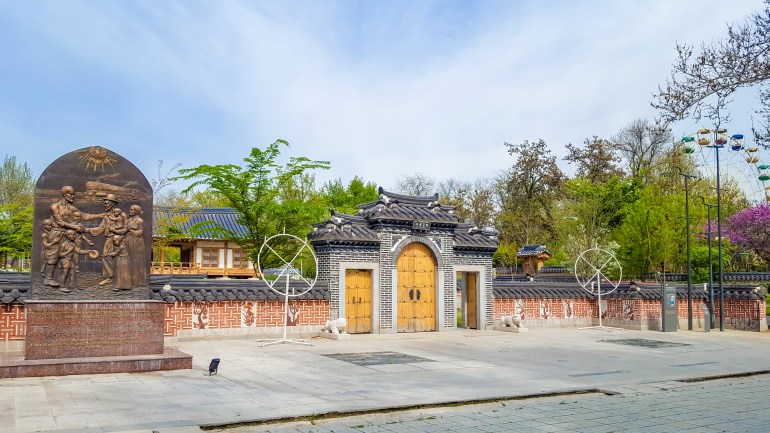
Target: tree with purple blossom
749, 228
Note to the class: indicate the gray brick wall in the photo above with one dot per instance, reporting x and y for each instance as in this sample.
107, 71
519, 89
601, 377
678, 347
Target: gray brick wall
485, 260
329, 260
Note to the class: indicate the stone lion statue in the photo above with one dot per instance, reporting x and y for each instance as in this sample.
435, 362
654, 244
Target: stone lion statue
512, 321
335, 326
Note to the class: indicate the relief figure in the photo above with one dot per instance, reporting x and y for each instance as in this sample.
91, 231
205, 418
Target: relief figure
134, 241
113, 223
116, 255
49, 252
64, 216
68, 255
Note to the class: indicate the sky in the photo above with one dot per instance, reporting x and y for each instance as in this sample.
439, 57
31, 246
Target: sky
381, 89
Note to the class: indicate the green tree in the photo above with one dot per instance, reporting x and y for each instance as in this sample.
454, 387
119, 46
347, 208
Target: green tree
590, 213
17, 185
15, 233
473, 201
265, 193
596, 160
454, 192
480, 204
648, 234
527, 193
345, 199
640, 144
505, 255
300, 204
16, 197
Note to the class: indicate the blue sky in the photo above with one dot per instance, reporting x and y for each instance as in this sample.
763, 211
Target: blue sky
382, 89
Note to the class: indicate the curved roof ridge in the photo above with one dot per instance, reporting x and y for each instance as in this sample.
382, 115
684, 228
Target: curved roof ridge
407, 199
354, 219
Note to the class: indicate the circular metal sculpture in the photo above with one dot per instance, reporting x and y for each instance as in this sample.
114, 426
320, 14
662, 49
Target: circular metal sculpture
594, 269
287, 251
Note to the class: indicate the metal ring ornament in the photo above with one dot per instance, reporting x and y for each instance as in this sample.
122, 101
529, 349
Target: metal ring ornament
287, 264
598, 269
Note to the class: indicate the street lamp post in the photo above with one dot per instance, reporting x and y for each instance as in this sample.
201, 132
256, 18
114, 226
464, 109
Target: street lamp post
711, 265
689, 261
719, 142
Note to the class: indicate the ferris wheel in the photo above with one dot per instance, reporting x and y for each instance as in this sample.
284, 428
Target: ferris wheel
742, 168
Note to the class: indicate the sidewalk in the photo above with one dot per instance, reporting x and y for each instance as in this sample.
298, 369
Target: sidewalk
257, 383
660, 407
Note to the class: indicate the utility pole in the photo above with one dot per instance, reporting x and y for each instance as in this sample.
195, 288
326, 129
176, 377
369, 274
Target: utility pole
689, 260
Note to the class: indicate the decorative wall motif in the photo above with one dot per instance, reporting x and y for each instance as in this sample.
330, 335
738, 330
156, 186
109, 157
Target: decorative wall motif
292, 315
200, 315
13, 322
628, 309
545, 310
518, 308
237, 314
248, 314
569, 308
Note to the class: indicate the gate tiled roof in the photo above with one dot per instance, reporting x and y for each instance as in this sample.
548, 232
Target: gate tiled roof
343, 228
398, 207
475, 239
398, 210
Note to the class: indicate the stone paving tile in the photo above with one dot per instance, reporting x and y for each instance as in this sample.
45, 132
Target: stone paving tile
256, 383
679, 411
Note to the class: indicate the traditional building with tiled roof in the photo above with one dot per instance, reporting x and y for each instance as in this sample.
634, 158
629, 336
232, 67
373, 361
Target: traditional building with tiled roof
403, 264
534, 257
202, 249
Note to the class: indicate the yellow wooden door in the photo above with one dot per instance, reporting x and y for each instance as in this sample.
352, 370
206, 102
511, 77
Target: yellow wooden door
471, 306
358, 301
416, 289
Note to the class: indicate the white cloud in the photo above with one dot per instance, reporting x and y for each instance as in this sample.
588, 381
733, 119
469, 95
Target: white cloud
380, 89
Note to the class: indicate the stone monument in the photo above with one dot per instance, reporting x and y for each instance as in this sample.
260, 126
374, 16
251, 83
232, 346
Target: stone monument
91, 251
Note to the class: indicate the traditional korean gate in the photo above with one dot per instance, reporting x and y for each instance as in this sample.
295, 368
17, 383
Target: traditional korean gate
472, 294
358, 301
416, 289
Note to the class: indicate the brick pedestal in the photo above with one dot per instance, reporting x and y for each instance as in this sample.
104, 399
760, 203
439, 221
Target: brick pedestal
82, 329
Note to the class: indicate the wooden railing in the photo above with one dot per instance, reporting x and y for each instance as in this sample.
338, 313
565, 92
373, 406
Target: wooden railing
194, 268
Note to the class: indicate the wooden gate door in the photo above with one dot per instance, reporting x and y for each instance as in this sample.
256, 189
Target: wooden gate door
416, 289
470, 279
358, 301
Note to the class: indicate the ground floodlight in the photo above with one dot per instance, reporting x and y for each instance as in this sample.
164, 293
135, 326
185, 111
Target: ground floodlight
213, 366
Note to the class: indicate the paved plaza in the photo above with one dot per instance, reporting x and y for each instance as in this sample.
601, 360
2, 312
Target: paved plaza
659, 407
629, 380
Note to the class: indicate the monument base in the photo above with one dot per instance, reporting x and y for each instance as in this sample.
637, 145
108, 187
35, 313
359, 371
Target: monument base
13, 364
92, 337
81, 329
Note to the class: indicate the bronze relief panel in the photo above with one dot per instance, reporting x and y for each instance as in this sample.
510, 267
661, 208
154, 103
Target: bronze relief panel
93, 228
